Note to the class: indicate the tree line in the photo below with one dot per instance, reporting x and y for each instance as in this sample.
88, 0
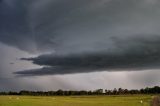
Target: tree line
120, 91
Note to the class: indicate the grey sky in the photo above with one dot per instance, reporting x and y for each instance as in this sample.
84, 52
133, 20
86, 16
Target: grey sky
71, 39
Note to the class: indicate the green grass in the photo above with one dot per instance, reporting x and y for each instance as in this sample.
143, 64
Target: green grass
129, 100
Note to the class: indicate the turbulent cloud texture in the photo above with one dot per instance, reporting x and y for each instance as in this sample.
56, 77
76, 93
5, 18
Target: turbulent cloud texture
83, 35
141, 54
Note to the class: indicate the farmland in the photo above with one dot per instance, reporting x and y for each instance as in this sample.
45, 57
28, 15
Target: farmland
120, 100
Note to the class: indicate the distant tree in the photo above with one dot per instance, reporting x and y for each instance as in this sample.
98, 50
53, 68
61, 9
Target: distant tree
106, 91
13, 93
115, 91
90, 93
126, 91
98, 91
60, 92
120, 91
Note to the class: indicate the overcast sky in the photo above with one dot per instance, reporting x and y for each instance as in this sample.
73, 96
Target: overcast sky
79, 44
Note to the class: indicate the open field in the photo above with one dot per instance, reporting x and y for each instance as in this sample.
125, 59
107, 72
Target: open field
129, 100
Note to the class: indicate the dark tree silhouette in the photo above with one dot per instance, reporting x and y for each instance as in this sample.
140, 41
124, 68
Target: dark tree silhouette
120, 91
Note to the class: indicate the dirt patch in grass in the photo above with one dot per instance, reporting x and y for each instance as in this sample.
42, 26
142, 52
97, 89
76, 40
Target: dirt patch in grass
155, 101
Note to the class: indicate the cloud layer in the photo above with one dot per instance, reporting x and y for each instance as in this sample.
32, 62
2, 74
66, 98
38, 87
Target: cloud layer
83, 36
74, 26
138, 54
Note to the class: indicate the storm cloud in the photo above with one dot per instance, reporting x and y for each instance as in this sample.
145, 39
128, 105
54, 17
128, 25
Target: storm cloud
83, 35
138, 54
61, 26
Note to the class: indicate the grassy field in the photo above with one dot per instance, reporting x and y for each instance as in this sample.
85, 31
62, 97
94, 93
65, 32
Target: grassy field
129, 100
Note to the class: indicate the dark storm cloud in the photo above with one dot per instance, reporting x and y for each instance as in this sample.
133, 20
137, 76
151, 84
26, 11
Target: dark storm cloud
63, 26
32, 25
84, 35
14, 29
138, 54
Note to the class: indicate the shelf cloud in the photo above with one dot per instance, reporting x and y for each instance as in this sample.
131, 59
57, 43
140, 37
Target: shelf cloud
81, 36
138, 54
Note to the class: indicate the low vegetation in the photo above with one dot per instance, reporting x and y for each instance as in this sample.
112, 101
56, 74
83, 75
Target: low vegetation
116, 100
